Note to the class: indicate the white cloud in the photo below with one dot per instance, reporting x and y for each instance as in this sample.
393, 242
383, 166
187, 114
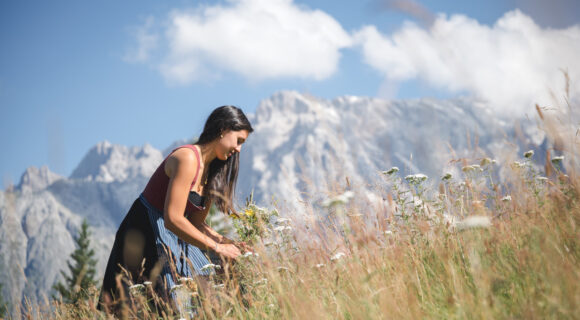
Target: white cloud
512, 64
147, 41
259, 39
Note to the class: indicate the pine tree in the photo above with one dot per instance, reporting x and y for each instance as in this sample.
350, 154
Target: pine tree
81, 269
3, 305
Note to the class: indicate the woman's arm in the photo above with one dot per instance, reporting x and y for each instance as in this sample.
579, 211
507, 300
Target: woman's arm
209, 231
198, 220
181, 167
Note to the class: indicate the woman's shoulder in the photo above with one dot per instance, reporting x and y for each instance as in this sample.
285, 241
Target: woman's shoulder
191, 148
183, 157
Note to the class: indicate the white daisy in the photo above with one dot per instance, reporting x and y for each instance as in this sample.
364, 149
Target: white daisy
211, 266
337, 256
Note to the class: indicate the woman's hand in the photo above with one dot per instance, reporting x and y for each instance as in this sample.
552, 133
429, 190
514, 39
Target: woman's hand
228, 250
244, 247
226, 240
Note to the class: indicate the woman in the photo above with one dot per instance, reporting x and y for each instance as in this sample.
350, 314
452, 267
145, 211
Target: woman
162, 237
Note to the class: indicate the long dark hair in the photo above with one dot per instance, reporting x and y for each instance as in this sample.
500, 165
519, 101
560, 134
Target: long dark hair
223, 174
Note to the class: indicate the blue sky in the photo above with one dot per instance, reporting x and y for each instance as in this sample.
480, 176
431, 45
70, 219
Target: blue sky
74, 73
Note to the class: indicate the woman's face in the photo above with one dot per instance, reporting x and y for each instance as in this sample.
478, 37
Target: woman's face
231, 142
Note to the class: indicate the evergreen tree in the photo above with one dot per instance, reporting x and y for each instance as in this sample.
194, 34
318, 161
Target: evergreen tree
81, 269
3, 305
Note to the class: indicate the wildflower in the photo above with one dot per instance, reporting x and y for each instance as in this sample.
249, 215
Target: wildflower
211, 266
391, 171
518, 164
282, 228
447, 176
506, 198
184, 280
528, 154
136, 286
261, 281
219, 286
388, 232
338, 200
467, 168
543, 179
249, 254
136, 289
249, 212
188, 283
472, 167
283, 220
485, 161
337, 256
418, 203
557, 160
147, 283
262, 210
176, 287
474, 222
416, 178
320, 265
420, 177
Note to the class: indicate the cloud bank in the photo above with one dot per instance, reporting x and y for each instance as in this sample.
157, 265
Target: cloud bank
512, 64
258, 39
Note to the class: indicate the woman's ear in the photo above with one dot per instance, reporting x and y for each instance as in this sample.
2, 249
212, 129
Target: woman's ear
223, 132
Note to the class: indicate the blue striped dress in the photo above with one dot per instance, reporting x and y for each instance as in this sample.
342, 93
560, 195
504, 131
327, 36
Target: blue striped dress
179, 259
143, 227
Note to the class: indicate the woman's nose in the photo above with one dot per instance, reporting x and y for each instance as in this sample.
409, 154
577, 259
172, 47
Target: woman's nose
238, 148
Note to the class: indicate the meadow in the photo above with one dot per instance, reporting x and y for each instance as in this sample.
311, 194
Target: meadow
459, 246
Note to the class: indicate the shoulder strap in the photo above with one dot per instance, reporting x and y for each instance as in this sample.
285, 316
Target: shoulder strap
198, 165
192, 147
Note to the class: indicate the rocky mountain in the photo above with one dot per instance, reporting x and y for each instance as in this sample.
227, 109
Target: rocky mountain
40, 217
108, 163
302, 149
303, 146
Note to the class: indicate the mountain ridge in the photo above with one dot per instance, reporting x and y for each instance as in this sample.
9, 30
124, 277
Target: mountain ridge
302, 150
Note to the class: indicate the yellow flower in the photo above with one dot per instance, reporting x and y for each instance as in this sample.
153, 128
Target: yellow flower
249, 212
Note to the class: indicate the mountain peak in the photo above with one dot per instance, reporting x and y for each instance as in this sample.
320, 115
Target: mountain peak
107, 162
301, 144
34, 179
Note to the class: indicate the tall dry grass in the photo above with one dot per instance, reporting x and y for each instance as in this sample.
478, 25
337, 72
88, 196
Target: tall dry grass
524, 265
471, 248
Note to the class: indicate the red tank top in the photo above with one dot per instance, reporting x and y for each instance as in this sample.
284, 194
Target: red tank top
156, 188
